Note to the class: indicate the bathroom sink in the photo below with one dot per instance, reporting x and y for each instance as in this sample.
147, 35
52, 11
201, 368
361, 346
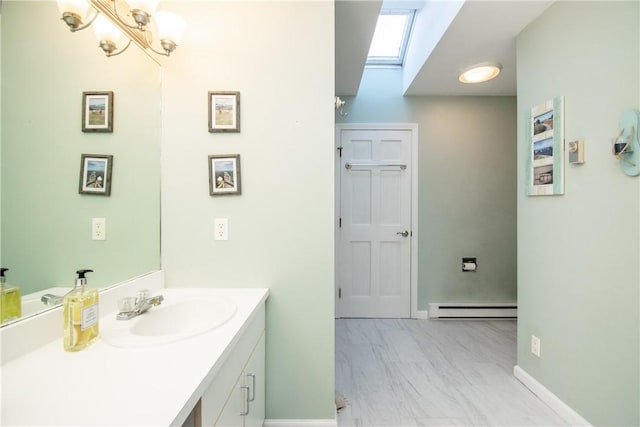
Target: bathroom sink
180, 316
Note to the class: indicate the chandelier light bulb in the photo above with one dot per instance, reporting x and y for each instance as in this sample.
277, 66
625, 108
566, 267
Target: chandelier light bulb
108, 35
79, 8
170, 26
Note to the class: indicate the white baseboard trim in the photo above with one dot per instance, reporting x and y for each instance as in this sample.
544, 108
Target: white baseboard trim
422, 315
300, 423
553, 401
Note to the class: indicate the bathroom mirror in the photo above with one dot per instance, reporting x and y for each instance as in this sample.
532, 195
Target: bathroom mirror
46, 223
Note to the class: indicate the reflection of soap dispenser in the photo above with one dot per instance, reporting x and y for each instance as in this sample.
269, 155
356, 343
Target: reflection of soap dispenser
10, 301
80, 315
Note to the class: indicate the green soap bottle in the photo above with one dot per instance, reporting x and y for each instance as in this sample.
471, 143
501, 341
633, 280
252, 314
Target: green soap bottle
11, 302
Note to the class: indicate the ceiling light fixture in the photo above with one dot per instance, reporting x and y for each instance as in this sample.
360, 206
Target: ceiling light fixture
480, 73
129, 18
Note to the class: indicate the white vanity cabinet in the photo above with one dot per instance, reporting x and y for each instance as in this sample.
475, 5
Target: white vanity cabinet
193, 381
245, 405
236, 396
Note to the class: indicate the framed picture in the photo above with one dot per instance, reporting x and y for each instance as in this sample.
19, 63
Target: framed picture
97, 111
95, 174
224, 174
224, 111
545, 146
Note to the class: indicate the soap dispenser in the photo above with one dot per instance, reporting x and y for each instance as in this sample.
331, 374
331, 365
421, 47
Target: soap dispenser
80, 315
10, 301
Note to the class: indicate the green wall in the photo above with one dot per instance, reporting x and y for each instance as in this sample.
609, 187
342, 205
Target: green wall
46, 224
467, 191
280, 56
578, 253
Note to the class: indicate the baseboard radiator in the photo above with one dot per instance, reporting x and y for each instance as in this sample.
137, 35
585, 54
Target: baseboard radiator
473, 311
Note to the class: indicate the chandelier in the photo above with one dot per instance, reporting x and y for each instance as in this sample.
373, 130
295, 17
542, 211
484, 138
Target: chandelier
115, 20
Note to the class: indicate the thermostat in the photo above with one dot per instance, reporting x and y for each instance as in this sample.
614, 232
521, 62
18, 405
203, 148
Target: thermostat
576, 152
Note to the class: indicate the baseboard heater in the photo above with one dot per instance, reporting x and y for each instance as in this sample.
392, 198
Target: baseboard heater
473, 311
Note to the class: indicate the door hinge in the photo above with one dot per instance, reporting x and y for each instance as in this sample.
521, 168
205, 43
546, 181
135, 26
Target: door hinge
339, 222
340, 150
339, 293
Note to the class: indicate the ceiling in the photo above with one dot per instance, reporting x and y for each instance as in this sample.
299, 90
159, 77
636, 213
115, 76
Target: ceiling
448, 37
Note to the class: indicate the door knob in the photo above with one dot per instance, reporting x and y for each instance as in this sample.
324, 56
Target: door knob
404, 233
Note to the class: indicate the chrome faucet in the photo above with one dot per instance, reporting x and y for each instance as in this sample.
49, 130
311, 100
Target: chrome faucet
132, 307
51, 299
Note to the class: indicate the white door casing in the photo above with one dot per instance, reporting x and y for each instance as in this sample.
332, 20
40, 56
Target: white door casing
375, 277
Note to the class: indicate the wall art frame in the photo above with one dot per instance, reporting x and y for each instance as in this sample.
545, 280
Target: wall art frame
545, 148
97, 112
95, 174
224, 111
224, 175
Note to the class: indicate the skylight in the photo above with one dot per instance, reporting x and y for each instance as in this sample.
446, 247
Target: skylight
390, 38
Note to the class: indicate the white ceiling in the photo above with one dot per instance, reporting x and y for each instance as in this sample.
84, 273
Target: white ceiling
481, 31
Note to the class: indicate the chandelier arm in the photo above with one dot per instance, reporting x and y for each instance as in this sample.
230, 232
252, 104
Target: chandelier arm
122, 21
82, 27
120, 51
149, 43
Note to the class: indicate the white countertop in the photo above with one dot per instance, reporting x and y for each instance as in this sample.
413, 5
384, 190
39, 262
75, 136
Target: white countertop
109, 386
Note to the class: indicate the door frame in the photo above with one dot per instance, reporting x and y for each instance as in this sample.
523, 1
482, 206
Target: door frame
413, 127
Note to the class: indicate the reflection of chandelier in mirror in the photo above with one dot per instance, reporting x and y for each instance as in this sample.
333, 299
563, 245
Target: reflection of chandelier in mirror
111, 26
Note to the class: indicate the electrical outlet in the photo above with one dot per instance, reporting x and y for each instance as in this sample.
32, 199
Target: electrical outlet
535, 345
221, 229
98, 229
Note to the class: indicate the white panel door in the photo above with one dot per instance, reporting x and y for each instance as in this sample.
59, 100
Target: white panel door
374, 277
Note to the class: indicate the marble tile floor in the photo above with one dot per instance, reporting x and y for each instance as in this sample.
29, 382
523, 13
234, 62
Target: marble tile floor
405, 373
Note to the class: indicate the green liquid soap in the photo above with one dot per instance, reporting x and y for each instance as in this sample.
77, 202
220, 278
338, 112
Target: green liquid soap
10, 299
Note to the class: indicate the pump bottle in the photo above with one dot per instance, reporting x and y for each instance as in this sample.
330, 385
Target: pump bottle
80, 315
10, 300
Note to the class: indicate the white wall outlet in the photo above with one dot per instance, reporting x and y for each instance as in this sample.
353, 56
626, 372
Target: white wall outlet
535, 345
221, 229
98, 229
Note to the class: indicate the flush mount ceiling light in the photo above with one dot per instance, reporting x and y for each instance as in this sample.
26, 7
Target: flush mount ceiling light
480, 73
115, 19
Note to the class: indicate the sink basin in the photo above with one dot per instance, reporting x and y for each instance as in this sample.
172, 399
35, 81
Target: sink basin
180, 316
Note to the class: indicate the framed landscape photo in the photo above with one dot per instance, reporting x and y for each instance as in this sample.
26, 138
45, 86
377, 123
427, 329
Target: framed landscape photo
97, 111
224, 111
95, 174
545, 146
224, 174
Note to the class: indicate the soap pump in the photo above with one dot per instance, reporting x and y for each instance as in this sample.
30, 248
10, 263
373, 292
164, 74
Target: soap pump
80, 315
10, 300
